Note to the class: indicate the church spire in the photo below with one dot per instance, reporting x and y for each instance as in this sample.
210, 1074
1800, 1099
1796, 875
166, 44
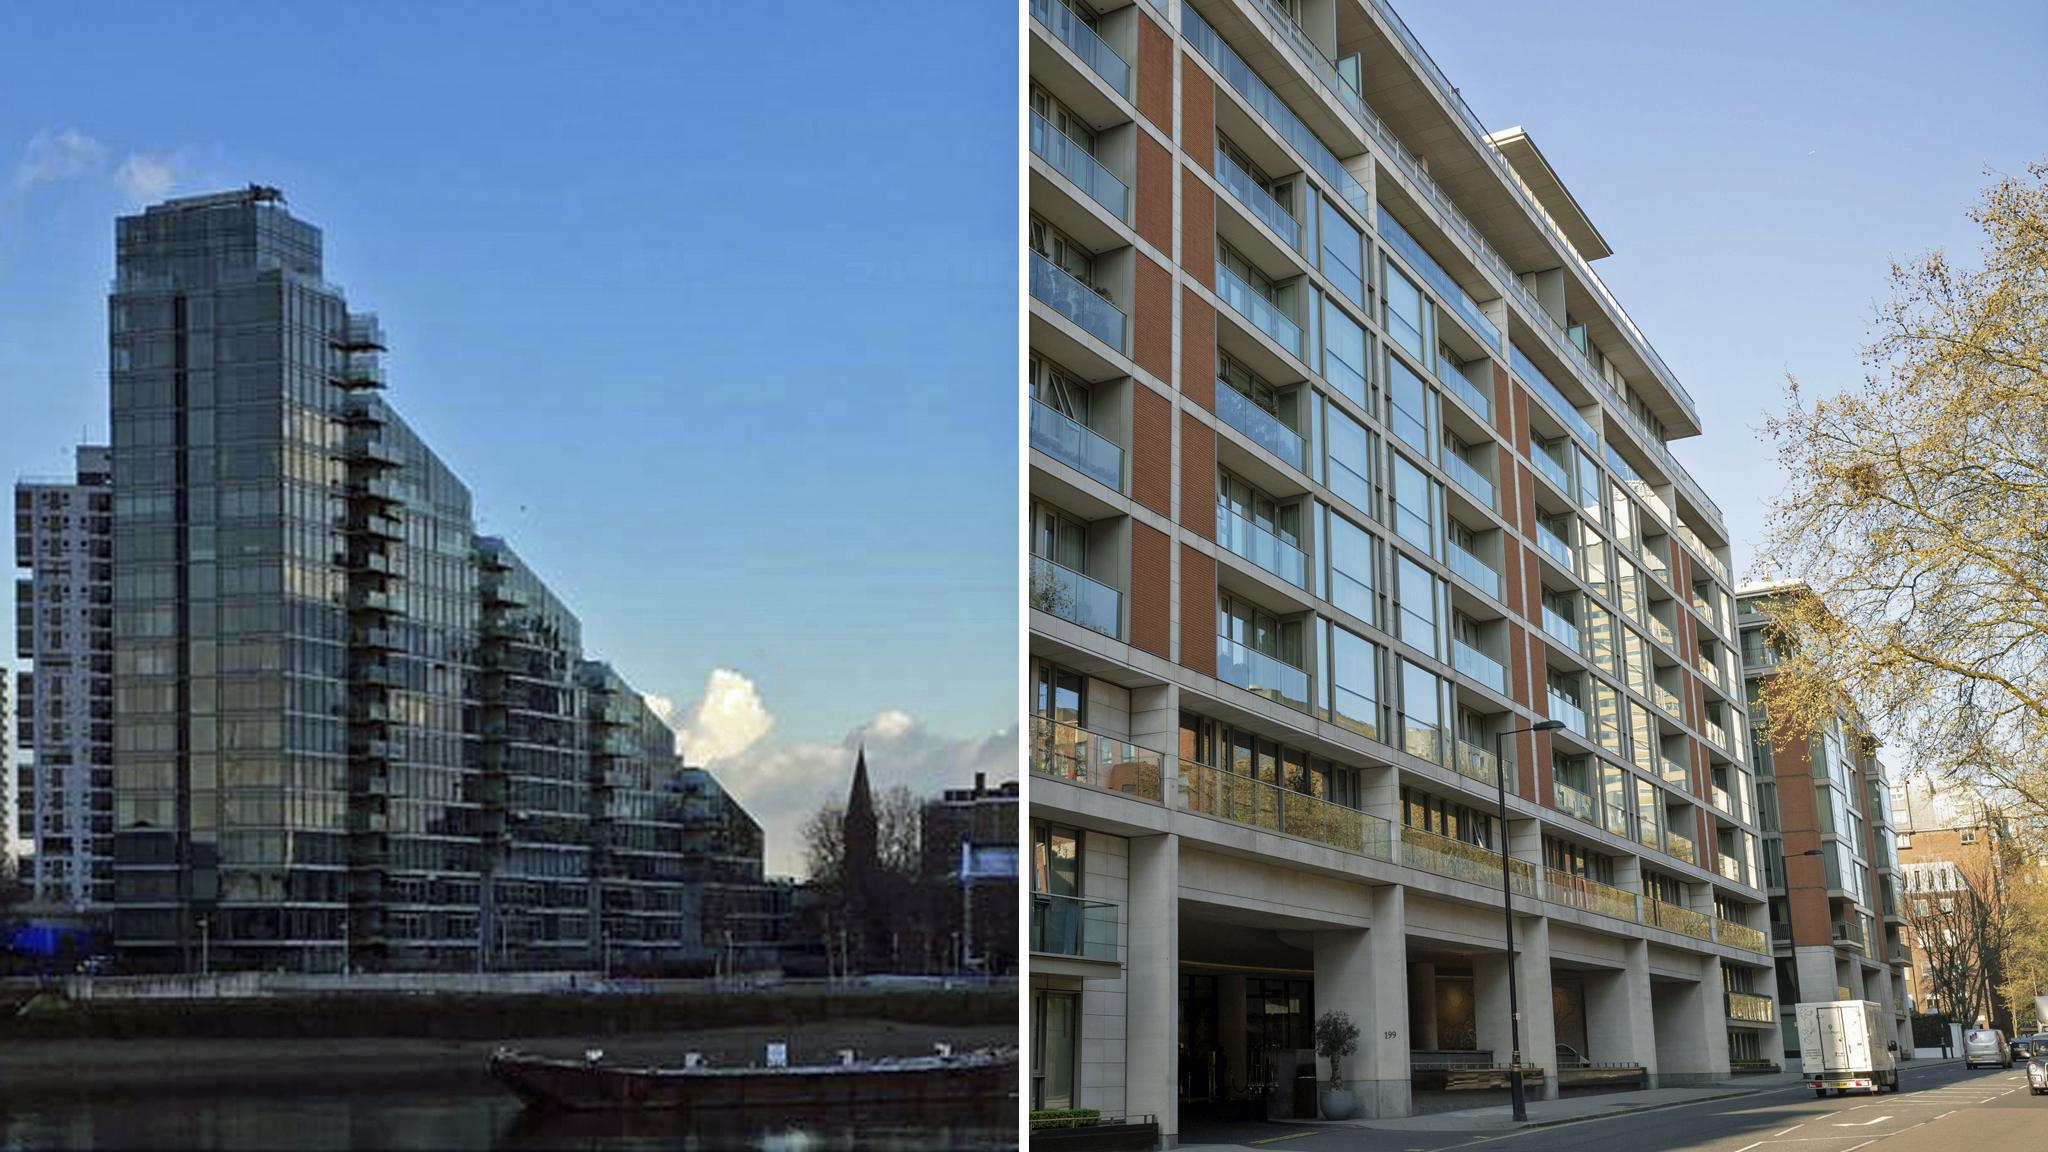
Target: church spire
860, 831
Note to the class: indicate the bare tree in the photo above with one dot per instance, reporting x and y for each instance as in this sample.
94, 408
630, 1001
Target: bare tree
1950, 926
1916, 512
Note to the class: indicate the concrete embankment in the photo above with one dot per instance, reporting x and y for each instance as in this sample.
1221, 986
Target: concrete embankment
51, 1044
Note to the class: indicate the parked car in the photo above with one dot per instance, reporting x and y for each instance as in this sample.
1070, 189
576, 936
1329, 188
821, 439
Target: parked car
1568, 1057
2022, 1049
1986, 1046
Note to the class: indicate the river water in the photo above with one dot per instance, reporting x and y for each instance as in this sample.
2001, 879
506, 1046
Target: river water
482, 1117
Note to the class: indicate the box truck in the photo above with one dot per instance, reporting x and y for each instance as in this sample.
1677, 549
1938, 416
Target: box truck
1845, 1044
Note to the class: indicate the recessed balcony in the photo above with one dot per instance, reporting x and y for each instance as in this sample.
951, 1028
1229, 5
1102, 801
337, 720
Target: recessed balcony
1261, 426
1083, 170
1075, 444
1072, 927
1079, 756
1261, 546
1082, 41
1261, 674
1076, 598
1254, 307
1089, 310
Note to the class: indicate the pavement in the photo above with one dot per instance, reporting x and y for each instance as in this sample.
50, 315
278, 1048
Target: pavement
1768, 1113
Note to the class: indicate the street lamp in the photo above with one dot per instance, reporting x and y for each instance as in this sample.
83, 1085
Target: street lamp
1507, 909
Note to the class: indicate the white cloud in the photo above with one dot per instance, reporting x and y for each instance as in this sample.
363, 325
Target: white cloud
781, 784
53, 156
728, 719
142, 177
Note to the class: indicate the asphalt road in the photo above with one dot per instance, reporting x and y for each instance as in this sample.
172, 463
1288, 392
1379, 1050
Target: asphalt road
1940, 1109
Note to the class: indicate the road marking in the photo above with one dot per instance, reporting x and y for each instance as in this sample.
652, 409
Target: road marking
1865, 1123
1277, 1139
1794, 1128
1947, 1114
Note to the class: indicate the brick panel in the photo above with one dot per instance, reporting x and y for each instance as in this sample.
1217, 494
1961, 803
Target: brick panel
1197, 349
1154, 215
1197, 611
1197, 113
1197, 229
1155, 75
1151, 449
1197, 476
1151, 589
1504, 420
1152, 318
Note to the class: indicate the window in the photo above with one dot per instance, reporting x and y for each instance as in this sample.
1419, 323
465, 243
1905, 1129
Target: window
1259, 630
1236, 495
1355, 682
1411, 408
1060, 695
1418, 594
1422, 712
1069, 256
1059, 538
1405, 320
1968, 836
1344, 359
1350, 469
1416, 502
1343, 254
1282, 406
1053, 387
1055, 859
1351, 569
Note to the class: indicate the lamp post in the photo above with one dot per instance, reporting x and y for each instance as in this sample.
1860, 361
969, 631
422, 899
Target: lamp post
1507, 909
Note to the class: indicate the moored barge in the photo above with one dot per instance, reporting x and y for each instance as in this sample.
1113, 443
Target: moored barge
591, 1085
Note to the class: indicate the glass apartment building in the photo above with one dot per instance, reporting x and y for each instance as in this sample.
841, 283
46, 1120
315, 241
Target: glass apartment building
348, 733
1345, 468
64, 697
1838, 919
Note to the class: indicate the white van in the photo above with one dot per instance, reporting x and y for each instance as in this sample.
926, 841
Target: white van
1986, 1046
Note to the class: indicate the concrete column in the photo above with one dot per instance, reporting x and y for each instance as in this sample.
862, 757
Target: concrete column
1382, 1080
1490, 1002
1344, 983
1380, 792
1155, 716
1152, 1038
1230, 1005
1618, 1024
1714, 1018
1422, 1005
1815, 966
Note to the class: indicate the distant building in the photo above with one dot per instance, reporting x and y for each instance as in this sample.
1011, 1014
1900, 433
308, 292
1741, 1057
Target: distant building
1837, 922
63, 542
351, 733
968, 850
1953, 844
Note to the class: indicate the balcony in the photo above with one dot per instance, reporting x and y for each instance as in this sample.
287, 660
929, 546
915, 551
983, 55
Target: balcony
1470, 393
1479, 666
1261, 546
1551, 469
1478, 763
1740, 936
1075, 598
1750, 1008
1057, 289
1848, 936
1253, 306
1588, 895
1681, 847
1270, 108
1668, 701
1554, 547
1429, 852
1084, 43
1719, 797
1572, 802
1426, 266
1264, 428
1716, 734
1078, 756
1675, 773
1422, 740
1239, 799
1260, 674
1467, 477
1257, 200
1071, 160
1563, 709
1560, 629
1683, 921
1073, 927
1562, 408
1475, 570
1711, 673
1076, 445
1729, 866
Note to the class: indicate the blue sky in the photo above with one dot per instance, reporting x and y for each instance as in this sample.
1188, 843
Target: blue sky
1755, 166
714, 307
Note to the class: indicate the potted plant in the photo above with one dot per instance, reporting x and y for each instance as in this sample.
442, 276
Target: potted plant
1336, 1038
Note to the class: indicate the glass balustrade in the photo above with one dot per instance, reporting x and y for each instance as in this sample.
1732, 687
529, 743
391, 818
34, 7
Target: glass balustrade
1076, 598
1561, 708
1443, 856
1478, 763
1071, 160
1261, 546
1552, 469
1467, 477
1572, 802
1560, 629
1080, 39
1240, 799
1555, 548
1073, 927
1253, 306
1574, 891
1246, 191
1479, 666
1475, 570
1256, 672
1671, 917
1751, 1008
1057, 289
1066, 752
1075, 444
1264, 428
